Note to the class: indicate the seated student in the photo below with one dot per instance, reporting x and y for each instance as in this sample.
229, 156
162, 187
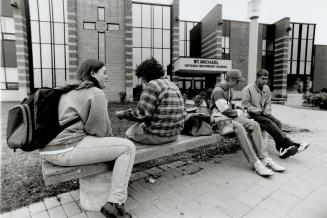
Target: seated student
256, 98
160, 111
247, 131
90, 140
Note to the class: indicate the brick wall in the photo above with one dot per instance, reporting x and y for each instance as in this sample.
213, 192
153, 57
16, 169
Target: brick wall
22, 50
128, 50
72, 38
211, 34
320, 68
281, 57
114, 40
175, 37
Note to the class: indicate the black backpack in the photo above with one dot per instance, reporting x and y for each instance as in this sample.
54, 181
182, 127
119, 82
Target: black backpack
34, 122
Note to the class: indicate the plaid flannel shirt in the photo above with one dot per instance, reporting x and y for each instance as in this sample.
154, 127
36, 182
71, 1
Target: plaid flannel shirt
161, 108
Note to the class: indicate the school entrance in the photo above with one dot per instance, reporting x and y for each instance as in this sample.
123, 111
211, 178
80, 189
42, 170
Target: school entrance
199, 74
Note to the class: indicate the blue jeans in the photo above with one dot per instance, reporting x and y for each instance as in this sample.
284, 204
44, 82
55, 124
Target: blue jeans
249, 136
96, 150
137, 134
274, 127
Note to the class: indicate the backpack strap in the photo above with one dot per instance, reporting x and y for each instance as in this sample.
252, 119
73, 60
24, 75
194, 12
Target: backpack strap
70, 123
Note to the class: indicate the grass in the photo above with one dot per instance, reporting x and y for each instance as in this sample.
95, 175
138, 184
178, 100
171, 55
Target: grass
21, 176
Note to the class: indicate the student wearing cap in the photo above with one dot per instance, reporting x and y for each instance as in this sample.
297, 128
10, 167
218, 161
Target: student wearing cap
256, 98
247, 131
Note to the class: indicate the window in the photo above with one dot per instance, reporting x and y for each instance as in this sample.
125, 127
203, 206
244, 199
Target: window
101, 13
102, 47
113, 26
225, 45
151, 34
89, 25
8, 64
301, 46
49, 33
264, 47
185, 28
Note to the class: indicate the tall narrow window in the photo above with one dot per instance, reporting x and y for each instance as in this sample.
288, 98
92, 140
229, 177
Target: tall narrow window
49, 31
151, 34
8, 65
185, 28
101, 13
225, 40
102, 47
264, 47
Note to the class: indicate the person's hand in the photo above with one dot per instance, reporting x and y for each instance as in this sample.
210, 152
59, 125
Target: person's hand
119, 114
266, 114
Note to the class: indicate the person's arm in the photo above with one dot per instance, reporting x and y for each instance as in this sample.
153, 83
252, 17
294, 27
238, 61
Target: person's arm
267, 107
94, 114
222, 104
146, 106
246, 102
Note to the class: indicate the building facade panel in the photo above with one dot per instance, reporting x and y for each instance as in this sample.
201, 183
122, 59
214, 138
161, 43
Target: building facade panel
320, 68
239, 48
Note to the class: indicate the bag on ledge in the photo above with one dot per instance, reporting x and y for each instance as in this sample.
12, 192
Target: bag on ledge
197, 124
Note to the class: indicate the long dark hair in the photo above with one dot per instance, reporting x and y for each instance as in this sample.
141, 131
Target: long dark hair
83, 74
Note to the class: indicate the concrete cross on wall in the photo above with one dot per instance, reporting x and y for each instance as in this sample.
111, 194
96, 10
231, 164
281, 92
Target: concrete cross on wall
102, 27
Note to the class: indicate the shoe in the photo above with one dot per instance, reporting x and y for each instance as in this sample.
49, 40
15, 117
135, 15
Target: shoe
113, 210
261, 169
286, 152
268, 162
301, 147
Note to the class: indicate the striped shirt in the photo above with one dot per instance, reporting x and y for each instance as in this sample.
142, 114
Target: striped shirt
161, 108
221, 101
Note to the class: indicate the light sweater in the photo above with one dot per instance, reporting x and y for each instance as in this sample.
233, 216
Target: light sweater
90, 105
257, 100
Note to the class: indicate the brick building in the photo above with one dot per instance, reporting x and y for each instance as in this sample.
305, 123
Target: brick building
43, 42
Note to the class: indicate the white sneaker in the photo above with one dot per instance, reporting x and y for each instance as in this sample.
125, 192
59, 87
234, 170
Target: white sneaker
268, 162
261, 169
302, 146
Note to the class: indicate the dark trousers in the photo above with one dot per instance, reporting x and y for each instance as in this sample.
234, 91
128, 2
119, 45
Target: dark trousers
273, 126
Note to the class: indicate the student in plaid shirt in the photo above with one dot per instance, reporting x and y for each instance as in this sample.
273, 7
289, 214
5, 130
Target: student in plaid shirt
160, 110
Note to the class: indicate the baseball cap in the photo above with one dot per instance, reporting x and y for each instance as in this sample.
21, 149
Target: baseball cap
235, 73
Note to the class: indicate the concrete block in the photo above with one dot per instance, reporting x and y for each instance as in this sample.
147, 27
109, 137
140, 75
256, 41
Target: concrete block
20, 213
80, 215
43, 214
51, 202
94, 191
75, 195
65, 198
71, 208
37, 207
57, 212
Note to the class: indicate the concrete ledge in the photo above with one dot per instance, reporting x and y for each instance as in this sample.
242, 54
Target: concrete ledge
53, 174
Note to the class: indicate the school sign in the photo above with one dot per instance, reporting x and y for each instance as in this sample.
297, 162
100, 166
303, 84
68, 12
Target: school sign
198, 65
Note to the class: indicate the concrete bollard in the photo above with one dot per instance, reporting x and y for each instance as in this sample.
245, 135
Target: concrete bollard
94, 190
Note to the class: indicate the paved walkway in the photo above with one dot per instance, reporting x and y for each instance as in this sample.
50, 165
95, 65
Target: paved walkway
225, 186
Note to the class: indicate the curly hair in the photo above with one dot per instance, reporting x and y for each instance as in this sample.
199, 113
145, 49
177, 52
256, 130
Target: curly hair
149, 70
